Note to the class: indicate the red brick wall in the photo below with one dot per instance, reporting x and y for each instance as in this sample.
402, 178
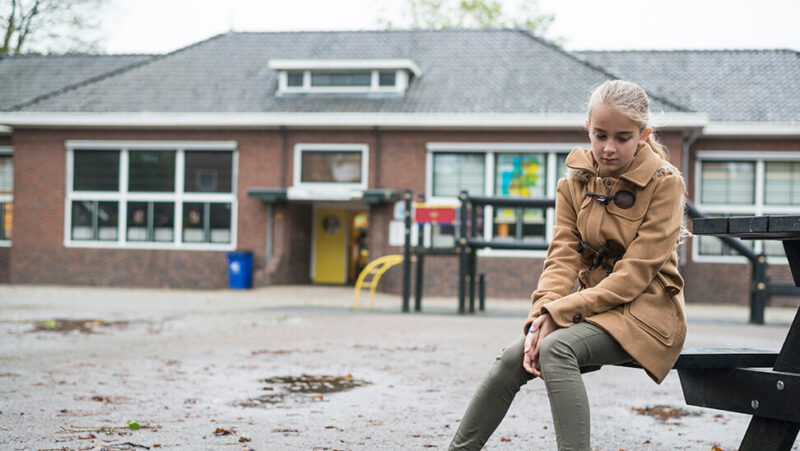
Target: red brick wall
39, 256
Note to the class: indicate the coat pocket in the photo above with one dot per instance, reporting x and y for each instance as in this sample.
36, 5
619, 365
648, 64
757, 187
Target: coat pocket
654, 311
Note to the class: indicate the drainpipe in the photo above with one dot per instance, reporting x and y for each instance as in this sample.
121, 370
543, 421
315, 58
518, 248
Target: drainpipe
688, 141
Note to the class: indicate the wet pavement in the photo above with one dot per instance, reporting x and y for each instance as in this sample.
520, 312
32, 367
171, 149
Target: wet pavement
296, 368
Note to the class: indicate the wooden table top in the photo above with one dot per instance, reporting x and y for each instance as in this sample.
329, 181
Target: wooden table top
750, 227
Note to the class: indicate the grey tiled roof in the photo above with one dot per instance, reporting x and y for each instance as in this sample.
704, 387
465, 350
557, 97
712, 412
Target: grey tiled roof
729, 85
463, 71
24, 78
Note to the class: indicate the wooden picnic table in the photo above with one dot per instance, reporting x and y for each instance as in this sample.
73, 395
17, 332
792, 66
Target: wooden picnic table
771, 396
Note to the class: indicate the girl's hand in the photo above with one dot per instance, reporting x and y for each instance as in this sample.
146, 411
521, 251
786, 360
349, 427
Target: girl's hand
528, 361
530, 340
546, 326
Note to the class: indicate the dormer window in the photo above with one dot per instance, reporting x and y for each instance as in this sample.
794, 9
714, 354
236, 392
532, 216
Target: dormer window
379, 77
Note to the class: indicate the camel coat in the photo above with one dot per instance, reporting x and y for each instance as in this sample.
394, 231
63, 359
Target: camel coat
640, 301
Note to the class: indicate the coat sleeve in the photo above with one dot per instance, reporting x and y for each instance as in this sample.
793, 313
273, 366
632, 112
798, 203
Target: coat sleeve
563, 259
655, 242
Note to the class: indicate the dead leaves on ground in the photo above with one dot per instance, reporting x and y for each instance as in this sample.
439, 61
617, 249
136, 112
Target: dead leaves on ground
661, 412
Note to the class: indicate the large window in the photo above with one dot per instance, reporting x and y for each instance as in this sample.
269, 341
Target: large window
506, 169
331, 168
151, 194
6, 195
741, 184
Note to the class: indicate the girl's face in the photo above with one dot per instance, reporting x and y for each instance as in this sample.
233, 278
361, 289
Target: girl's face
615, 139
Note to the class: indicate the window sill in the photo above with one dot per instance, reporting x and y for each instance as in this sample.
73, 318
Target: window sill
149, 246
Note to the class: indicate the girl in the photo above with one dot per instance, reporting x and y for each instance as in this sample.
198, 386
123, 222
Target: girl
619, 216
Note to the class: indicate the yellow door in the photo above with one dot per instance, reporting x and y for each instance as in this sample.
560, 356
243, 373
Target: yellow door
330, 249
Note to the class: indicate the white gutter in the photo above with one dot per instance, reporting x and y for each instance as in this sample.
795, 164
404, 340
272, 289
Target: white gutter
744, 129
331, 120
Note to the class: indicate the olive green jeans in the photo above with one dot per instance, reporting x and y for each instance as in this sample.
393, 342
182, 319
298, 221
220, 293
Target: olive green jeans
562, 355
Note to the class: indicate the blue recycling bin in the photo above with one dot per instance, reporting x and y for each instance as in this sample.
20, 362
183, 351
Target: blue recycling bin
240, 270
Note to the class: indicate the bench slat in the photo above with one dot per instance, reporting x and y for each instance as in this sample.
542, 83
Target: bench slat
718, 358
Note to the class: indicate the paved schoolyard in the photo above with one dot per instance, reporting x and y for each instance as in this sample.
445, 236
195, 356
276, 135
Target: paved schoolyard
297, 368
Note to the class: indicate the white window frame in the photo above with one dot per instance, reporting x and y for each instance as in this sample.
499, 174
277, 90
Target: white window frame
757, 208
490, 150
400, 86
4, 197
178, 197
404, 69
331, 190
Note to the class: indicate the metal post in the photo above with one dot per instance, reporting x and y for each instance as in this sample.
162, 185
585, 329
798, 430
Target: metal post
420, 253
462, 253
758, 290
482, 292
407, 253
473, 263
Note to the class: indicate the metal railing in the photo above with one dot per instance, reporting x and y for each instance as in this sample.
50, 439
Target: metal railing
761, 289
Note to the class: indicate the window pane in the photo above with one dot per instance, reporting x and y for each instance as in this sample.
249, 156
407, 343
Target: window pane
82, 223
194, 222
453, 173
331, 167
319, 79
561, 165
150, 221
387, 79
6, 174
6, 217
137, 221
206, 222
728, 182
443, 235
152, 171
220, 223
294, 79
782, 184
107, 220
164, 222
93, 221
520, 175
530, 228
96, 170
208, 172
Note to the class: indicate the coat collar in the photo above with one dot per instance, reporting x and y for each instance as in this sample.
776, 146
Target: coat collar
644, 167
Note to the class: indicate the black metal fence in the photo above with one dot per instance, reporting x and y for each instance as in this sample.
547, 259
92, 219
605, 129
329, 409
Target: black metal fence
470, 241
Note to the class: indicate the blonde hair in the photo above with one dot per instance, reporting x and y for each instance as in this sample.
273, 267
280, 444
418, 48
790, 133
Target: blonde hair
631, 101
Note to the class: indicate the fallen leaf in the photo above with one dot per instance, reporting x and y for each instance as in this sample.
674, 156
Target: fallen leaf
244, 439
505, 439
221, 431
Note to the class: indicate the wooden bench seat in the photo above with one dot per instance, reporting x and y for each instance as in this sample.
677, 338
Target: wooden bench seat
721, 358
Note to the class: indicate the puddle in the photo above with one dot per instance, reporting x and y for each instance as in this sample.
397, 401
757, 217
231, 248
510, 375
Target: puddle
661, 412
84, 326
283, 390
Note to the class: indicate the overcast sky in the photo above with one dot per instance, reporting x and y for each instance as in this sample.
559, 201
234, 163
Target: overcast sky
156, 26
